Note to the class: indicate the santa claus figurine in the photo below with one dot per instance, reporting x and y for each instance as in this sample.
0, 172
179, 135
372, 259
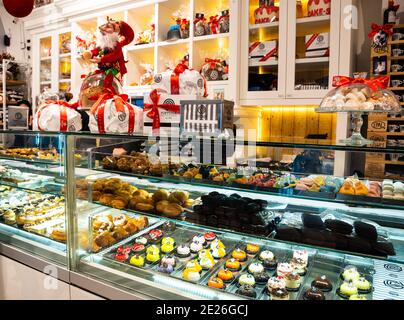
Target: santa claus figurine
108, 54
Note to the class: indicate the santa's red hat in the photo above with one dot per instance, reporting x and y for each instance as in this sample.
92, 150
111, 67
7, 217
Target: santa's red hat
127, 32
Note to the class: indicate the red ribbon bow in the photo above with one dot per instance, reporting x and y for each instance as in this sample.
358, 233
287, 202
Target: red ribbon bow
63, 112
376, 29
121, 101
212, 62
153, 109
214, 24
375, 84
175, 77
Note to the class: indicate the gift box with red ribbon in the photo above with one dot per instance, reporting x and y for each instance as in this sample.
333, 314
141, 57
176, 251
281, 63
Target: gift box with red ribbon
57, 116
162, 113
215, 70
181, 81
112, 113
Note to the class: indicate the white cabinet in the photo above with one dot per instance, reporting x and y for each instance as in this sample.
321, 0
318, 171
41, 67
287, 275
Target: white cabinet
52, 61
298, 74
162, 52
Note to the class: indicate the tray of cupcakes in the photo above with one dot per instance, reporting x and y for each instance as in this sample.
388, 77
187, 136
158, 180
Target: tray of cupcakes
207, 252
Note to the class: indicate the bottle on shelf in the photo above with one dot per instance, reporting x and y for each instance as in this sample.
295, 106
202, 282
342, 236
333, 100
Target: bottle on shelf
390, 14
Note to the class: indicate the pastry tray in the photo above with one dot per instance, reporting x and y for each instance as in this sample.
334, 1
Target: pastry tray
322, 195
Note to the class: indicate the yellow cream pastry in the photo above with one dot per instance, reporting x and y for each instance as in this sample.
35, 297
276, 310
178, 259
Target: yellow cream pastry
362, 284
348, 289
357, 297
194, 264
191, 275
167, 248
137, 261
350, 273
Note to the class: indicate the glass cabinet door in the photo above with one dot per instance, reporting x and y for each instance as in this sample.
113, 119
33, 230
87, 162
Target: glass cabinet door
312, 47
264, 50
65, 61
45, 54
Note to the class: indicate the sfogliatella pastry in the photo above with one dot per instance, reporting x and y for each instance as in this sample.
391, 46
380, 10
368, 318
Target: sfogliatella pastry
314, 294
247, 291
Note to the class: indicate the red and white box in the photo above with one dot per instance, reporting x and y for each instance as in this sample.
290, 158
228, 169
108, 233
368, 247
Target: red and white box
113, 114
182, 81
317, 41
319, 8
57, 116
162, 113
263, 51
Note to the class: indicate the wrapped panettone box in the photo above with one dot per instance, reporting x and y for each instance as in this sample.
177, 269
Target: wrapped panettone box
181, 80
114, 114
162, 113
57, 116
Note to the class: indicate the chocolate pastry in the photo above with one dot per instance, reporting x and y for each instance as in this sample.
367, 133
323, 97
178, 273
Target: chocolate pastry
261, 277
270, 264
235, 195
312, 221
365, 230
359, 245
288, 234
214, 194
341, 241
322, 283
384, 248
253, 208
314, 294
262, 203
279, 294
338, 226
247, 291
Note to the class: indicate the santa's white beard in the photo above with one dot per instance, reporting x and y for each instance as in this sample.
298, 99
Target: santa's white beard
107, 41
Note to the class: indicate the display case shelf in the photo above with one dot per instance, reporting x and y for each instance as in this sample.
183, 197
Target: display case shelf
271, 25
212, 37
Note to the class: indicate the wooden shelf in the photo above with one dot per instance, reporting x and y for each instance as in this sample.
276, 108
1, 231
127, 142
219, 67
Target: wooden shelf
212, 37
396, 88
395, 119
393, 134
13, 83
398, 163
397, 73
396, 42
264, 25
396, 58
46, 58
398, 26
65, 80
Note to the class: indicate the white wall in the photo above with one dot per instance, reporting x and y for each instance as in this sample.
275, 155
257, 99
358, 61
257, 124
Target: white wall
17, 36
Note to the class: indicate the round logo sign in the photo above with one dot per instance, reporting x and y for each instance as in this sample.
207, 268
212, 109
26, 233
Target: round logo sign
18, 116
122, 116
158, 78
169, 101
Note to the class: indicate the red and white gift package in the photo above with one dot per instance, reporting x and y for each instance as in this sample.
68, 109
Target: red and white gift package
162, 107
112, 113
319, 8
57, 116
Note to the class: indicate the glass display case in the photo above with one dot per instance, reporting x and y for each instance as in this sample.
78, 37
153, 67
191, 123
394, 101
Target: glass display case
213, 219
32, 183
